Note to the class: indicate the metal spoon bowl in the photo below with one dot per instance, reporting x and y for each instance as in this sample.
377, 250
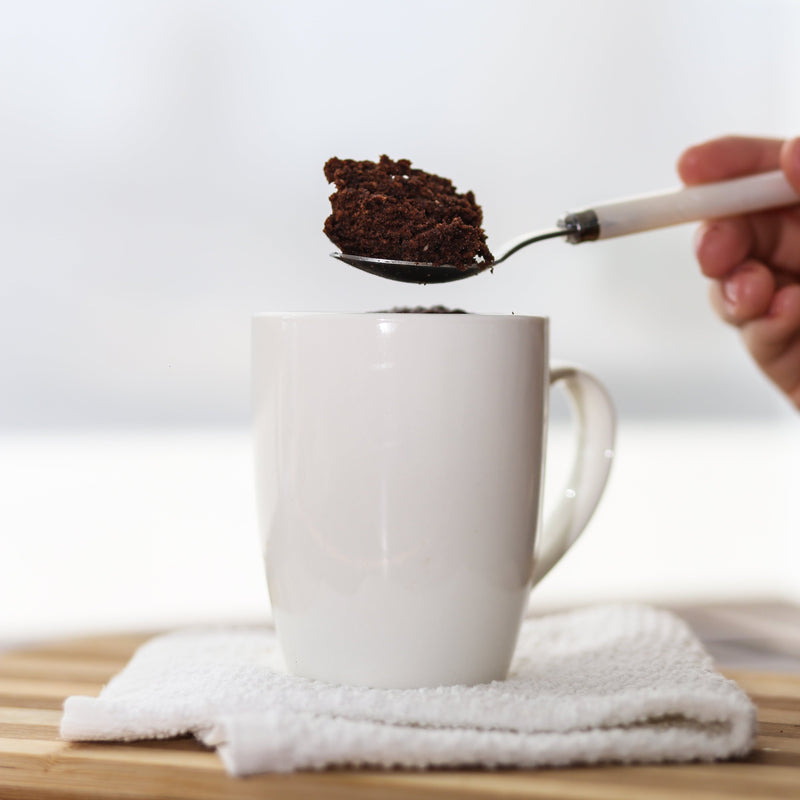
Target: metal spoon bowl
411, 271
424, 272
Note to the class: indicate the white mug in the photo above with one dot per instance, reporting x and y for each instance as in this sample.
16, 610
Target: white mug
399, 473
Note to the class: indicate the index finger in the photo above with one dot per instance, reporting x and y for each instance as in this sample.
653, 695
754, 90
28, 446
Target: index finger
728, 157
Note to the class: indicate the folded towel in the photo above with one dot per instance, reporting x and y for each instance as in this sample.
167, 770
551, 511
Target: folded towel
621, 683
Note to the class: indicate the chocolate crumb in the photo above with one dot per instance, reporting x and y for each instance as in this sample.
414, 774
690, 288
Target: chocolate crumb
422, 310
387, 209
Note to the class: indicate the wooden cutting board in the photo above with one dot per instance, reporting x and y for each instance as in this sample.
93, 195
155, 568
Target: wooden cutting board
36, 765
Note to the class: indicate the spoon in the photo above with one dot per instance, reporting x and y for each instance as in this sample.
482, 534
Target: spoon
607, 220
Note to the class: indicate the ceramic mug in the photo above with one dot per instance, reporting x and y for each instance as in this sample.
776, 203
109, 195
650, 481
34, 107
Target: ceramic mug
399, 473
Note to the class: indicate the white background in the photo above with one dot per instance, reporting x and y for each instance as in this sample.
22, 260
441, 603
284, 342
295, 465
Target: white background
162, 180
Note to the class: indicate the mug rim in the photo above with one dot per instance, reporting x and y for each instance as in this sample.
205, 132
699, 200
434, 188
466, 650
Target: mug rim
393, 315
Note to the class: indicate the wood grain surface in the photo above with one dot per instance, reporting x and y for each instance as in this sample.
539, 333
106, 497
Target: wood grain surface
36, 765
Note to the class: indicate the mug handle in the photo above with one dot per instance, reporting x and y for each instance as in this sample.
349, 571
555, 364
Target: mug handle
594, 413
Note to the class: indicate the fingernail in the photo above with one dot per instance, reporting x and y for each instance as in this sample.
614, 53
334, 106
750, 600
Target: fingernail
730, 291
704, 234
790, 162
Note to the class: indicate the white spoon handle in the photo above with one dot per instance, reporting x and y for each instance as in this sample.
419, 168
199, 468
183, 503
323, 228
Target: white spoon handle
708, 201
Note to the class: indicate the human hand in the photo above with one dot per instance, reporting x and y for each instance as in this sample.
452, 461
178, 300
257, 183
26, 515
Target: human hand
754, 260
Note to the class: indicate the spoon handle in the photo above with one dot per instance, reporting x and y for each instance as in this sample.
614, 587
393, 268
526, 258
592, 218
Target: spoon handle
690, 204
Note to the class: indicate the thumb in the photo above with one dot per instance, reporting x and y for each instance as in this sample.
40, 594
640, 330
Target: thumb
790, 162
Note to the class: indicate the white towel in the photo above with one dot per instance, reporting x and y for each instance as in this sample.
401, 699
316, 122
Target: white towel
621, 683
